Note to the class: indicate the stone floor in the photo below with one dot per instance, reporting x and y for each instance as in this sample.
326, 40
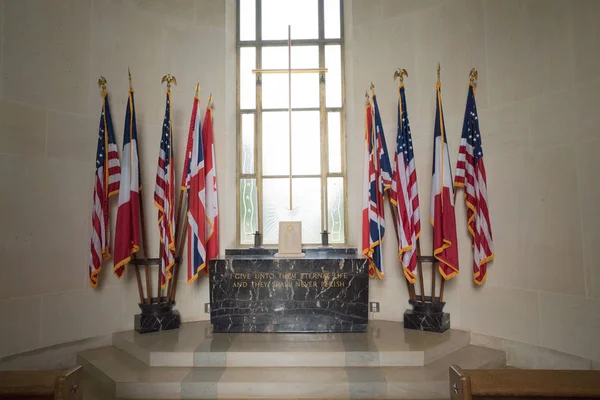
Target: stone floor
192, 363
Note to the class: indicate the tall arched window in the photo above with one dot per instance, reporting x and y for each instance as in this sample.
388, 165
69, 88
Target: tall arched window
313, 153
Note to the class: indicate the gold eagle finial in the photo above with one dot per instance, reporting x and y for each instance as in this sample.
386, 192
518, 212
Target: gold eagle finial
169, 79
473, 76
102, 83
400, 73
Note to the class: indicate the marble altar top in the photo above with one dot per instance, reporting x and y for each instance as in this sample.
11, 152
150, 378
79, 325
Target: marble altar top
312, 253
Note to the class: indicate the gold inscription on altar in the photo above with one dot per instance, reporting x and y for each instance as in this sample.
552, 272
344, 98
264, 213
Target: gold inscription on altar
290, 279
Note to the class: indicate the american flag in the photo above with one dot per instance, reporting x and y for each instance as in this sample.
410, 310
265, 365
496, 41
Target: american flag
127, 235
445, 247
164, 197
470, 174
106, 184
212, 201
196, 190
405, 192
378, 179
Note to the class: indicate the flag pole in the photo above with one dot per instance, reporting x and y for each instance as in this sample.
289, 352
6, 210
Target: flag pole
138, 277
399, 73
433, 264
420, 271
179, 254
142, 226
181, 226
147, 266
410, 286
376, 159
442, 289
159, 270
169, 80
185, 226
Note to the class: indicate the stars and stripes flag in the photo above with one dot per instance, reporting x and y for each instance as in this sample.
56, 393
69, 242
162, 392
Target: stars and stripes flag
194, 183
127, 235
378, 179
164, 197
106, 184
445, 247
405, 192
470, 174
211, 202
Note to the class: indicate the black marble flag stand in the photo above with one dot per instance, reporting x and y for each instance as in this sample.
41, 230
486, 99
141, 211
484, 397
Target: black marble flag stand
159, 314
427, 316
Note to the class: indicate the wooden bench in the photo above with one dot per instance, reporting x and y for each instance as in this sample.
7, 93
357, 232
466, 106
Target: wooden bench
496, 384
42, 385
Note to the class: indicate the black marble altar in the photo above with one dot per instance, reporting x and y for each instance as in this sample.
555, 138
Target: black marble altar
427, 316
327, 291
156, 316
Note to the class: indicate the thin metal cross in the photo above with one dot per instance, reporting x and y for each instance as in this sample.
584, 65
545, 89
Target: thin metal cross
290, 71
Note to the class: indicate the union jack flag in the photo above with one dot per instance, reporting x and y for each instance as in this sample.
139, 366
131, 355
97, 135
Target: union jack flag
378, 179
195, 184
108, 173
212, 201
445, 248
470, 174
405, 192
164, 197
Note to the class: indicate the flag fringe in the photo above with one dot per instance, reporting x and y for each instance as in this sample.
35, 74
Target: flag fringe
198, 269
412, 278
124, 262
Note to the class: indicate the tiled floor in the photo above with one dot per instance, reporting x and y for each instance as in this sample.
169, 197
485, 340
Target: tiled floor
385, 344
192, 363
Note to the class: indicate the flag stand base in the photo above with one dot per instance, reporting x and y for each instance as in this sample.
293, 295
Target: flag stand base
157, 316
427, 316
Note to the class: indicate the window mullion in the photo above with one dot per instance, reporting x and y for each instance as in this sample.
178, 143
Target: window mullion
258, 120
343, 121
323, 120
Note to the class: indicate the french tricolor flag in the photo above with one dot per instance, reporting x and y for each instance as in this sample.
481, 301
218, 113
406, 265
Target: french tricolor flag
127, 235
445, 247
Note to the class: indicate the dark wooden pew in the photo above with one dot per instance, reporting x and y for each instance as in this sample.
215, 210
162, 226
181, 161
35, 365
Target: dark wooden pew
497, 384
42, 385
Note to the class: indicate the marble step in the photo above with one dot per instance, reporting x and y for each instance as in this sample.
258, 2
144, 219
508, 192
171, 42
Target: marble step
385, 344
125, 377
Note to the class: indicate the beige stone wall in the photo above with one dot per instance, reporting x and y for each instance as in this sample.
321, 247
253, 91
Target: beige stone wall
538, 106
539, 116
51, 57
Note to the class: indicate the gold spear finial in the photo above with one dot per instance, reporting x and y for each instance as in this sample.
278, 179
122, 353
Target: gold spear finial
438, 73
169, 79
473, 76
102, 83
129, 73
400, 73
198, 89
372, 88
209, 99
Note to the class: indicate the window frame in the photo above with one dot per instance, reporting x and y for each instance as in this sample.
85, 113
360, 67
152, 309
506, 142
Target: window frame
323, 110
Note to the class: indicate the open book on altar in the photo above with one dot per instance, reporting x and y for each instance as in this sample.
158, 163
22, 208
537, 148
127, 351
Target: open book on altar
290, 240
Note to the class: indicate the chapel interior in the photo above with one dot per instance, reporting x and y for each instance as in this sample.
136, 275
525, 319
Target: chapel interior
265, 274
